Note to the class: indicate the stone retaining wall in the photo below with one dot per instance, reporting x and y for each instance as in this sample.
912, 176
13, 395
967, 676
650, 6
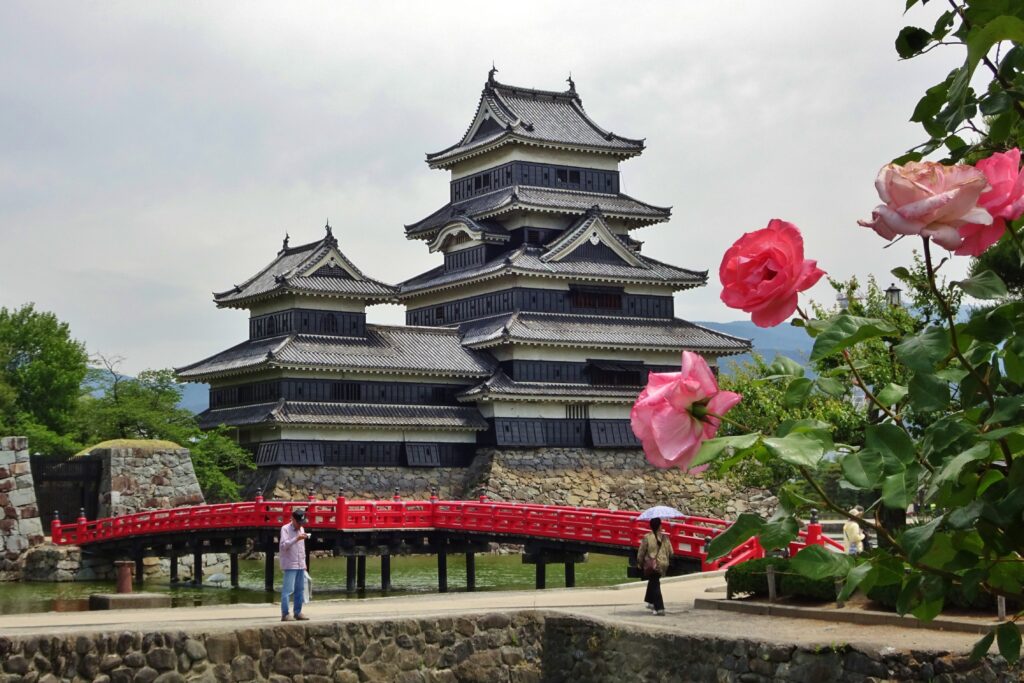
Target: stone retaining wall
615, 479
20, 525
145, 478
523, 647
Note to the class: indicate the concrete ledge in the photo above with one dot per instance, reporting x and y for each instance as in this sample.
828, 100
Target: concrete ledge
99, 601
849, 616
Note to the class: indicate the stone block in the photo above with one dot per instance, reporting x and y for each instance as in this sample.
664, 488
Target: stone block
31, 527
8, 457
23, 481
17, 468
20, 497
221, 648
14, 443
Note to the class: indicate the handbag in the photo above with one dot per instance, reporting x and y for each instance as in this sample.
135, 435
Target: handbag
650, 568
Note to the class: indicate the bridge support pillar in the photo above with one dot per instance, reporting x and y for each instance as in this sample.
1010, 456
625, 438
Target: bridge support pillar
197, 567
361, 572
174, 568
442, 572
350, 573
268, 569
541, 574
139, 567
570, 575
471, 571
234, 570
385, 572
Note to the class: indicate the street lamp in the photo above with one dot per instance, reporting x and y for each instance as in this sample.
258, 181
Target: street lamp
892, 295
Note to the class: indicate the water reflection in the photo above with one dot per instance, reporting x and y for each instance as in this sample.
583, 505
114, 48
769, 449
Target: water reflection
410, 575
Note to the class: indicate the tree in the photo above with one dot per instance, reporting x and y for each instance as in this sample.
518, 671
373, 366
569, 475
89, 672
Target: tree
43, 368
146, 407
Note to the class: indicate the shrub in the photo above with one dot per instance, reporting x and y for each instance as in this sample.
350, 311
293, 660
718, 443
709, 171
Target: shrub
798, 586
752, 576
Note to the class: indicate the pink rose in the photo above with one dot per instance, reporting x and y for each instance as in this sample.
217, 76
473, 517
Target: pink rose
1005, 201
928, 199
763, 271
673, 414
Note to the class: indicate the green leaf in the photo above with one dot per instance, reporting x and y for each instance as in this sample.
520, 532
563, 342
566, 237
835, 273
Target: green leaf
891, 394
917, 540
846, 330
815, 429
931, 594
745, 526
922, 351
797, 392
778, 533
981, 39
928, 393
890, 440
863, 469
965, 517
1008, 637
981, 647
898, 490
853, 579
816, 562
984, 285
987, 480
796, 449
951, 470
712, 449
911, 41
783, 367
830, 386
996, 103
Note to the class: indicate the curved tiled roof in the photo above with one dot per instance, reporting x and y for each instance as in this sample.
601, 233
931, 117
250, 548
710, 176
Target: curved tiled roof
527, 260
503, 387
384, 349
351, 415
284, 274
539, 117
594, 331
545, 199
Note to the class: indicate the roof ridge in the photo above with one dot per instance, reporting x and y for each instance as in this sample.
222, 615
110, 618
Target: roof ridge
516, 89
436, 329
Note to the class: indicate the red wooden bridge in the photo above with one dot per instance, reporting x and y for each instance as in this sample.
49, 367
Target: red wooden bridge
357, 528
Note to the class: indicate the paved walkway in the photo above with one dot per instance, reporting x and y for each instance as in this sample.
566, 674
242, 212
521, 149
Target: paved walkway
617, 604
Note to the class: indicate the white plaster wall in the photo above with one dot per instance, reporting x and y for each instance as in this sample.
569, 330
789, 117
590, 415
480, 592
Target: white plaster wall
307, 434
283, 303
516, 152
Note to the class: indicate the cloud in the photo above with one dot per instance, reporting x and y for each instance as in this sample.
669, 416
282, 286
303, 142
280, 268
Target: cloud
155, 152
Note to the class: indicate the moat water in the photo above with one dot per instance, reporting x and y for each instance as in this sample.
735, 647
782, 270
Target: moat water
414, 574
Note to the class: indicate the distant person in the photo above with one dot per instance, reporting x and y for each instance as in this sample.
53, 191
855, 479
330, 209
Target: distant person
853, 535
293, 564
653, 558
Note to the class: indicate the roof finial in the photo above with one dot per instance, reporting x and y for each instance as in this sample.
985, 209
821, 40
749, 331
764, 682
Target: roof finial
572, 84
490, 74
327, 226
284, 245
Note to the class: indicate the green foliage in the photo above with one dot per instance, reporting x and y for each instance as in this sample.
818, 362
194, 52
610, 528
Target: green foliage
751, 578
41, 372
945, 392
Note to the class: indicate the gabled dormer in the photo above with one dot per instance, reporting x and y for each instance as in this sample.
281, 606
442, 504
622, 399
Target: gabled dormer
308, 289
590, 239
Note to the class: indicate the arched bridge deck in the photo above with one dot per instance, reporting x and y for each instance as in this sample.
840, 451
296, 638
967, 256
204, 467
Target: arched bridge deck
358, 528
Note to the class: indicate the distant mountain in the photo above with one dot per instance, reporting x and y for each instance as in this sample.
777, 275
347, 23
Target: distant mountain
785, 340
195, 397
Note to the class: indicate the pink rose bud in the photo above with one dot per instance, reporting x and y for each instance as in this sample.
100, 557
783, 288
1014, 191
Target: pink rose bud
676, 412
928, 199
1005, 201
763, 271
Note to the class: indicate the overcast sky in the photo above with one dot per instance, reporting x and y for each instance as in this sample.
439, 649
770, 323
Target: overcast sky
151, 153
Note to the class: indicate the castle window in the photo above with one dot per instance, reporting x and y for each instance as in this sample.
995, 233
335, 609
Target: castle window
595, 298
574, 177
577, 412
439, 314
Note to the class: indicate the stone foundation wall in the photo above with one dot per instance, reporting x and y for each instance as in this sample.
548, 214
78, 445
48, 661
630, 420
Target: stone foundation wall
20, 525
614, 479
292, 483
145, 478
523, 647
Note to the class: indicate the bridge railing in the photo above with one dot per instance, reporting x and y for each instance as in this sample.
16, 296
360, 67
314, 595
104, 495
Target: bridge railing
689, 535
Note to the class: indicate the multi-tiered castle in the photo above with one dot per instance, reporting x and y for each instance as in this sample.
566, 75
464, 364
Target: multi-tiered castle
538, 330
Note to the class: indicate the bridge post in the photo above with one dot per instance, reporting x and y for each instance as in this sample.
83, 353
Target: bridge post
570, 574
234, 570
350, 574
174, 567
361, 572
385, 573
471, 571
442, 571
541, 573
197, 565
268, 565
138, 567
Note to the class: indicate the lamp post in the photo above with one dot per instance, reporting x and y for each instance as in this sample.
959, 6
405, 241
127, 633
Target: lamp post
892, 295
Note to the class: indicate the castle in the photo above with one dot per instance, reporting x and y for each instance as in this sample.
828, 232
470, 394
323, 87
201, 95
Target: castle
537, 331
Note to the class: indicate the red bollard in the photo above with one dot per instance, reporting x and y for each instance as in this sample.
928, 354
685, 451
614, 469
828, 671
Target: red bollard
124, 575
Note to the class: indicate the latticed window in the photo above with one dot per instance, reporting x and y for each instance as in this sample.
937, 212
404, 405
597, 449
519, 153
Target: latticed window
595, 298
577, 412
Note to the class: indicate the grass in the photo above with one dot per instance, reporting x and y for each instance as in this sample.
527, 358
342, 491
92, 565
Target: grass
148, 444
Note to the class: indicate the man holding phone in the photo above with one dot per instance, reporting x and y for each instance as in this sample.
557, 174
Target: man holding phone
293, 564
